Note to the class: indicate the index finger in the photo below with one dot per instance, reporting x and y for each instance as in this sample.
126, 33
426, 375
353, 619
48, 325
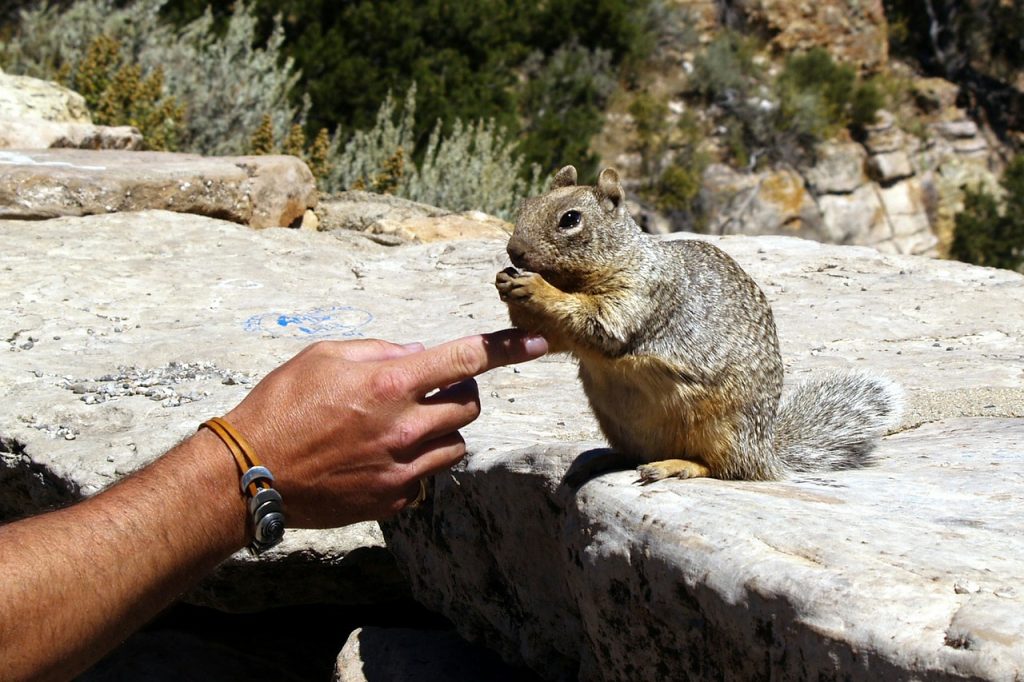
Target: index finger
467, 357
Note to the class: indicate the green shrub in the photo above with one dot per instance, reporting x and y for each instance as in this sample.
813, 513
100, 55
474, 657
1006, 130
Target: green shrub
984, 235
226, 83
650, 118
118, 94
475, 166
726, 69
769, 120
840, 98
561, 106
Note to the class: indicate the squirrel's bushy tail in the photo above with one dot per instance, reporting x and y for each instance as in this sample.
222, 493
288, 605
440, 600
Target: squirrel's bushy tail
834, 421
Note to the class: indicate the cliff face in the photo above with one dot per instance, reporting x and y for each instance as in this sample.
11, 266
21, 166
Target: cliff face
895, 184
854, 32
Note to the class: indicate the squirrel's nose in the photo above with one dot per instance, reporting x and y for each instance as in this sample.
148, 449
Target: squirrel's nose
516, 252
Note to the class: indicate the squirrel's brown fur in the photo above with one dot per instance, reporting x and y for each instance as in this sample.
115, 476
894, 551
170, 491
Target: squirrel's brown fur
676, 345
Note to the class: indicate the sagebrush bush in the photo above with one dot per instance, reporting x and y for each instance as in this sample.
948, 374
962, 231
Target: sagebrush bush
226, 83
476, 166
781, 119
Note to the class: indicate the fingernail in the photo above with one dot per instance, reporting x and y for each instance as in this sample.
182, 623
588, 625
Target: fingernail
414, 346
536, 345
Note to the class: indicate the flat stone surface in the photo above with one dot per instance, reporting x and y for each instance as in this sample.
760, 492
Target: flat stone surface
393, 220
38, 134
908, 570
123, 332
260, 191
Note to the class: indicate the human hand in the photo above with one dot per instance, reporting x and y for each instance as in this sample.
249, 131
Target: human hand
350, 427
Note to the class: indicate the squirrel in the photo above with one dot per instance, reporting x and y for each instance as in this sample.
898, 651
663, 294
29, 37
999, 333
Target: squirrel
677, 348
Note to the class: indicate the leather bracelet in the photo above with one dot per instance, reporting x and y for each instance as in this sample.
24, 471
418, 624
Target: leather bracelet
265, 504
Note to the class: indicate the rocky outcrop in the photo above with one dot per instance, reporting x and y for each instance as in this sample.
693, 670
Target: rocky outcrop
23, 97
909, 569
151, 322
259, 191
392, 220
892, 191
29, 134
37, 114
855, 32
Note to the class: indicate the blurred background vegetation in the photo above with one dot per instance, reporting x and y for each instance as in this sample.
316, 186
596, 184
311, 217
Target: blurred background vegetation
472, 104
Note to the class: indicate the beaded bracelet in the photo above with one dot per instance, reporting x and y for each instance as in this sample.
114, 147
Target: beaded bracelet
264, 502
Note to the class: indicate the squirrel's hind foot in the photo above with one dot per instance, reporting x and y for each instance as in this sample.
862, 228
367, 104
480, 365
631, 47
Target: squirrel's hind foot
671, 468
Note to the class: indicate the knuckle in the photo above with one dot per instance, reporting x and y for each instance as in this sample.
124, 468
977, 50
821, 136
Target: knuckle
390, 384
405, 435
466, 360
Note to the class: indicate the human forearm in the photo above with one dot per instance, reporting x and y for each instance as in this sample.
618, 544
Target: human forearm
77, 581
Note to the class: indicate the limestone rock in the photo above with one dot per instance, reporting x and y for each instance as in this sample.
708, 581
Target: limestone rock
774, 202
884, 135
838, 168
855, 218
260, 191
364, 211
935, 95
36, 134
23, 97
121, 333
855, 575
372, 654
887, 168
854, 32
404, 220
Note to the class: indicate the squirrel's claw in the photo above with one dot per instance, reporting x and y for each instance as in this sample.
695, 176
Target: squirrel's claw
514, 285
678, 468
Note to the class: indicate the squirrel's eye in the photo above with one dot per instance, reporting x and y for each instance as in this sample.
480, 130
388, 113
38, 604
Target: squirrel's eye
570, 219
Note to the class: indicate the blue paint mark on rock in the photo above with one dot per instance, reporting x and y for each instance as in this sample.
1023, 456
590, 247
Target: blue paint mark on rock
336, 321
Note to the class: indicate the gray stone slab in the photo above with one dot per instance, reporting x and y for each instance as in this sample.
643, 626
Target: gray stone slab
908, 570
97, 311
260, 191
37, 134
121, 333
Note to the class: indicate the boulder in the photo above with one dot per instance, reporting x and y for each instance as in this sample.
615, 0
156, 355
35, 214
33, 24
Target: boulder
838, 168
884, 135
934, 95
122, 332
23, 97
889, 167
392, 219
907, 217
259, 191
855, 218
773, 202
36, 134
910, 569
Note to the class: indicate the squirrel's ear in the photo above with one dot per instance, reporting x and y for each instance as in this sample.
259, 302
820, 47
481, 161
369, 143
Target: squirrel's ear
566, 177
610, 187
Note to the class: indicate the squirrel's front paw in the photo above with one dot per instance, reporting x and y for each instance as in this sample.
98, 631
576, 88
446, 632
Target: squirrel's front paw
515, 286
